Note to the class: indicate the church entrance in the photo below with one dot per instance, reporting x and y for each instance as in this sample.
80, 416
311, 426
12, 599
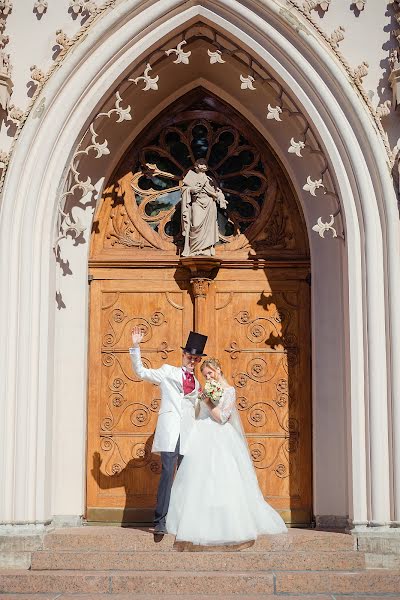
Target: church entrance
252, 300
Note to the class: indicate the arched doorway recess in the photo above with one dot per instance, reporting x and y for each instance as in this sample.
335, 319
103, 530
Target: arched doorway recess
255, 310
355, 291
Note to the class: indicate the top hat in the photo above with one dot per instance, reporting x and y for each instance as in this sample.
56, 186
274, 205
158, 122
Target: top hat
195, 344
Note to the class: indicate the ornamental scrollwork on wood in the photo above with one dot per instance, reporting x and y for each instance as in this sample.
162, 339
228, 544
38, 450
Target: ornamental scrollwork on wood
138, 455
120, 325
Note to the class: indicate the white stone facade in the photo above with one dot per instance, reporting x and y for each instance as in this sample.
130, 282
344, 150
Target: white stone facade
355, 275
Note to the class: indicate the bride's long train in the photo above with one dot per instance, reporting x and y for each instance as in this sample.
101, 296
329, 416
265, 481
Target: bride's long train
215, 498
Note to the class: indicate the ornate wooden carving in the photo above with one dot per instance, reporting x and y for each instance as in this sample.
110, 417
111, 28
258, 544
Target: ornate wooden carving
140, 212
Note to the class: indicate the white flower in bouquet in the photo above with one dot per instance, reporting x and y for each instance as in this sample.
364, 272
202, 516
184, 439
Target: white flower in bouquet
213, 391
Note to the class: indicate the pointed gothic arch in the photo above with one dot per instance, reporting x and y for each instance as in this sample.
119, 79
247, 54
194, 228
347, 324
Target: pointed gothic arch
369, 281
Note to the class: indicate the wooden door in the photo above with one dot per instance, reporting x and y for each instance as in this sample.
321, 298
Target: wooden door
255, 311
259, 328
122, 472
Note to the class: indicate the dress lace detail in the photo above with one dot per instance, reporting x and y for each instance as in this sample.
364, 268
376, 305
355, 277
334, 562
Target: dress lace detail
227, 404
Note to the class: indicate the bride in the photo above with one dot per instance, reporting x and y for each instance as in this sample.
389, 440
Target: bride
215, 497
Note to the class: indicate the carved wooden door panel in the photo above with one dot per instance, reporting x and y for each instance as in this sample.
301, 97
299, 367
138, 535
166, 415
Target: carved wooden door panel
260, 330
122, 473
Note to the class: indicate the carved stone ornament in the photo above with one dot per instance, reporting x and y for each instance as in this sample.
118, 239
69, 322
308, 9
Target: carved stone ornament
6, 6
309, 5
15, 114
361, 71
4, 158
321, 227
83, 6
150, 82
383, 110
215, 57
247, 82
181, 56
62, 39
337, 36
311, 186
6, 84
37, 74
40, 6
296, 147
394, 77
360, 4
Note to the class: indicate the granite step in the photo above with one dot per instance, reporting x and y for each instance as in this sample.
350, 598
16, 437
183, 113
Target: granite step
362, 582
162, 582
126, 539
203, 583
207, 561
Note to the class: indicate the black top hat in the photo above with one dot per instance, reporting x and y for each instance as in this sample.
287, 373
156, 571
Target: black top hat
195, 344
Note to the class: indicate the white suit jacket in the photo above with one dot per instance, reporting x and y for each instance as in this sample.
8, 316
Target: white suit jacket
176, 416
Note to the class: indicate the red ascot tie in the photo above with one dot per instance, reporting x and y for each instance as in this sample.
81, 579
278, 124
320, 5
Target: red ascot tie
188, 382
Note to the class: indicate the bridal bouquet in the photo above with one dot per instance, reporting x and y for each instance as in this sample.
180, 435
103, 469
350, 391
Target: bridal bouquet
213, 391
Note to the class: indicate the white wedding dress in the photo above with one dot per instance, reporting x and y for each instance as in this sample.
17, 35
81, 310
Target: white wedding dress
215, 498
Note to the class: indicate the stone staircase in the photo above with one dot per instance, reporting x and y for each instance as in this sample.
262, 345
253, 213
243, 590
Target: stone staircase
127, 563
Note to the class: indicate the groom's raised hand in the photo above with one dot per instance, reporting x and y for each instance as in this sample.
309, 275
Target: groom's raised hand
137, 336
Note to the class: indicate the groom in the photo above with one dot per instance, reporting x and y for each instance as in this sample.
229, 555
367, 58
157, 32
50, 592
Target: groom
179, 390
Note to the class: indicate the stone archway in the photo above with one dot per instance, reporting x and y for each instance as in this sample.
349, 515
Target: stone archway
43, 449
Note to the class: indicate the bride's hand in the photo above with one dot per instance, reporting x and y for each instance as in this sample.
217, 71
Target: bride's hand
137, 336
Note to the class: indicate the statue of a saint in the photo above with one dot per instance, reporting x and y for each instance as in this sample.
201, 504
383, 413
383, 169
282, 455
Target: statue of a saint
200, 195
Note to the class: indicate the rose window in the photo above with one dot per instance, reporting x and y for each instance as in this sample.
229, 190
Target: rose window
234, 163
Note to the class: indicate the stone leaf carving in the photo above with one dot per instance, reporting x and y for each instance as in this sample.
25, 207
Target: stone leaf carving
311, 186
150, 83
274, 112
181, 56
247, 82
296, 147
215, 57
321, 227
